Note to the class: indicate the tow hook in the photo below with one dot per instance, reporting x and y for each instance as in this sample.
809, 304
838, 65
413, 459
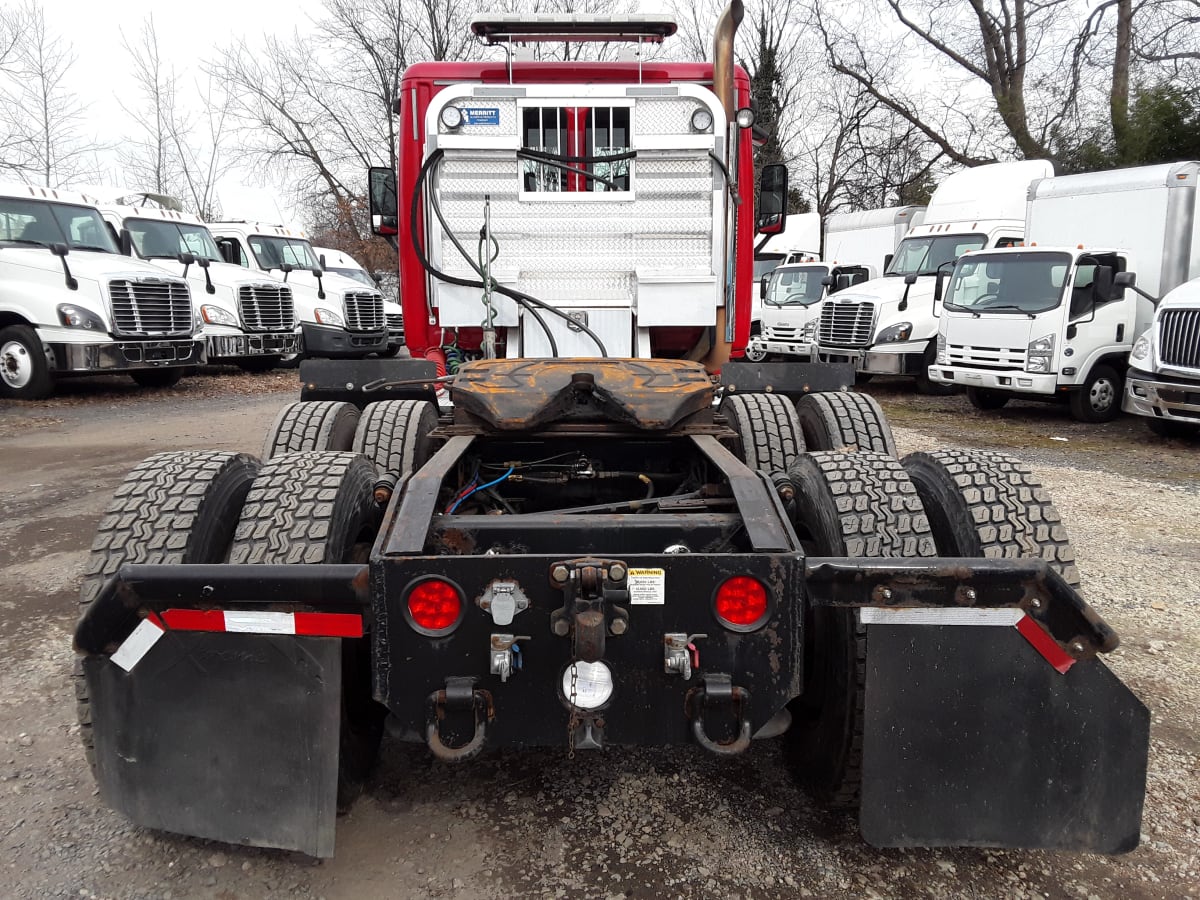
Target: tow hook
459, 695
719, 691
680, 656
505, 654
591, 588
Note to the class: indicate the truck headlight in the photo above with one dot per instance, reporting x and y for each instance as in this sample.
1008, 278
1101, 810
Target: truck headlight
702, 120
809, 333
215, 315
72, 316
893, 333
943, 356
1141, 348
1039, 354
329, 317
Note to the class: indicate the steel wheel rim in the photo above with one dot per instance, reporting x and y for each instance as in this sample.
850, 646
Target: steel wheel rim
16, 366
1102, 394
755, 355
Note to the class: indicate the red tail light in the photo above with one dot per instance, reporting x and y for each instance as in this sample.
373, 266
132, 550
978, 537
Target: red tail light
434, 606
741, 603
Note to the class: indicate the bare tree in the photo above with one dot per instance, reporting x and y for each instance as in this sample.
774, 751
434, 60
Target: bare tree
148, 155
41, 115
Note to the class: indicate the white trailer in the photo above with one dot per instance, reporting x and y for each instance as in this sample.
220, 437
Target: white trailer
248, 317
1163, 384
887, 325
1056, 319
869, 237
72, 304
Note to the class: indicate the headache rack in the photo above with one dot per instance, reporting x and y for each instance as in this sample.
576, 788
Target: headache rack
515, 28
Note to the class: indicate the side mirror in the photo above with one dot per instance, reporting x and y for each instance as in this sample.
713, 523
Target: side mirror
125, 242
59, 249
377, 277
321, 260
1124, 280
938, 286
186, 258
910, 278
827, 281
1102, 285
381, 197
762, 287
318, 271
887, 261
772, 199
203, 262
843, 282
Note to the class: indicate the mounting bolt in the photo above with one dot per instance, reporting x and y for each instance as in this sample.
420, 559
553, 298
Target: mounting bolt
560, 627
969, 594
207, 591
1077, 647
885, 593
1035, 603
349, 385
618, 626
560, 574
616, 572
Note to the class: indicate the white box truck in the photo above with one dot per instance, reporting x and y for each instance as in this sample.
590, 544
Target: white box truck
869, 237
341, 263
1164, 366
248, 318
887, 325
792, 296
71, 304
339, 317
1055, 319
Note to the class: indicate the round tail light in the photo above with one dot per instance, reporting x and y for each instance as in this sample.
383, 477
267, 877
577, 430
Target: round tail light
435, 606
741, 603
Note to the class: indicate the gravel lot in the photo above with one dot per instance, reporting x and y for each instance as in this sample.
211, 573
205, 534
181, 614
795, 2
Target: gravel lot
624, 824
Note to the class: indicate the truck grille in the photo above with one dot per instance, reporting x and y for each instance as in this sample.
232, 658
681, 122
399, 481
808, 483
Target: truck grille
1000, 358
782, 332
364, 311
153, 306
266, 307
846, 324
1179, 338
395, 323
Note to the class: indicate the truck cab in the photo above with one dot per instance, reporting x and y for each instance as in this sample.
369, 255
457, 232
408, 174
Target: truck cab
1053, 322
71, 304
338, 317
791, 307
338, 262
248, 318
888, 325
1164, 366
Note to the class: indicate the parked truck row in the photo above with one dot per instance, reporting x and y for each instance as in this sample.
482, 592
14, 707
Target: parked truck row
92, 285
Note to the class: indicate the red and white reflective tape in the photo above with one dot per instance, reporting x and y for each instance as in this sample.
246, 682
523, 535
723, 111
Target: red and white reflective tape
306, 624
1008, 616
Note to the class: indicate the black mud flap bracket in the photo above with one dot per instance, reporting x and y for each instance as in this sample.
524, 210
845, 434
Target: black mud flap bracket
792, 379
232, 737
363, 381
973, 739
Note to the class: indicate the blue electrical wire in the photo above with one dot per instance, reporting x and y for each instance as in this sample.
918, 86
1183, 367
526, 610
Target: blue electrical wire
480, 488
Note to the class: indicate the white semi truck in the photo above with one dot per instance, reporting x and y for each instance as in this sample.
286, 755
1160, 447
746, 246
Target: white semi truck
248, 318
341, 263
1057, 318
887, 325
1164, 366
71, 304
338, 317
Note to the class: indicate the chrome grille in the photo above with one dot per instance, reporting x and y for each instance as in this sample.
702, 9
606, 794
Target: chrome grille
151, 307
846, 324
266, 307
395, 323
782, 332
364, 311
1002, 358
1179, 338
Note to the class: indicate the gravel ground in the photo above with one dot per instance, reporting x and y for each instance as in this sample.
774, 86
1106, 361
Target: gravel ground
622, 824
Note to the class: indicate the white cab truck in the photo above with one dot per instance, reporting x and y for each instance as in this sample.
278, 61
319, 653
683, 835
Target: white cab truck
341, 263
792, 296
1057, 319
71, 304
869, 237
338, 317
887, 325
247, 317
1163, 383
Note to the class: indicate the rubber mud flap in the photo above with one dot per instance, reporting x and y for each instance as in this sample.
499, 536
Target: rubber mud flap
232, 737
973, 739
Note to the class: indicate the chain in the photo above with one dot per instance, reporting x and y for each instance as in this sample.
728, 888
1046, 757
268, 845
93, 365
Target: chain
573, 719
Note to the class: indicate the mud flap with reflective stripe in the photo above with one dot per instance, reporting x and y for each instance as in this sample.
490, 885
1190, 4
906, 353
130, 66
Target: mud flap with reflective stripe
226, 736
972, 738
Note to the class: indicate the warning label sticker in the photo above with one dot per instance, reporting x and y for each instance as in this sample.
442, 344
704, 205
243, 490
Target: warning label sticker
481, 115
647, 587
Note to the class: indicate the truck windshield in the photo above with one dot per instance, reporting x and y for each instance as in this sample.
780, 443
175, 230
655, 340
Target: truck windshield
41, 224
796, 287
1014, 283
355, 274
276, 252
156, 239
923, 255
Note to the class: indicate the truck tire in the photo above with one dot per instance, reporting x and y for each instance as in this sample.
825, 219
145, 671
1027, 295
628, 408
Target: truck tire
179, 507
855, 505
982, 503
767, 428
311, 425
157, 378
317, 507
394, 434
1099, 397
986, 400
927, 386
24, 370
844, 420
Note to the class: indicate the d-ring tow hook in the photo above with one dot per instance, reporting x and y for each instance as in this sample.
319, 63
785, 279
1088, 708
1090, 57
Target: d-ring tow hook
460, 694
719, 691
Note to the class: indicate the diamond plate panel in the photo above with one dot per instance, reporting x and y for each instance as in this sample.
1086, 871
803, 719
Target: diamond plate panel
664, 115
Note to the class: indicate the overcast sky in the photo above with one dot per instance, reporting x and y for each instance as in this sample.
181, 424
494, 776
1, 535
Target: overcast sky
189, 33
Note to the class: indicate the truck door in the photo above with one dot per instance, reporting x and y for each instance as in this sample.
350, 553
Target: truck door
1098, 316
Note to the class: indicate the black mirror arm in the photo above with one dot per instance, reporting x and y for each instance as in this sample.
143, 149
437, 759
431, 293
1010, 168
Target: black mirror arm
61, 251
1137, 290
317, 273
